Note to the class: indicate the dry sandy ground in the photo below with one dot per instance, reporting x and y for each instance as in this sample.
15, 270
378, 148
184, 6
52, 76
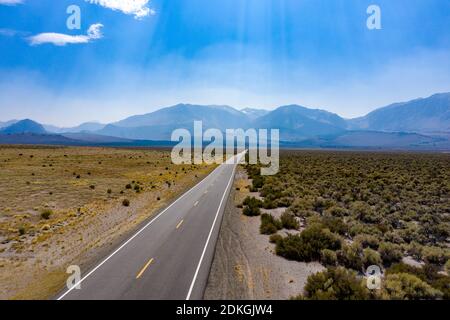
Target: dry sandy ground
245, 265
38, 269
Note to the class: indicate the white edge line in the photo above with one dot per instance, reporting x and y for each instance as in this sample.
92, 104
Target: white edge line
191, 288
134, 236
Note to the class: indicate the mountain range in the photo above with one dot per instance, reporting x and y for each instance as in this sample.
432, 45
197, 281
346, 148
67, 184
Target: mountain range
420, 123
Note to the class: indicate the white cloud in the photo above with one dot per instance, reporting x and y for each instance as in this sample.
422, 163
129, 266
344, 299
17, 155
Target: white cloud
8, 32
10, 2
138, 8
60, 39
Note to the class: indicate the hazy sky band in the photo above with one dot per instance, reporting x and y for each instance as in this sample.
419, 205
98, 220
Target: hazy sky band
254, 53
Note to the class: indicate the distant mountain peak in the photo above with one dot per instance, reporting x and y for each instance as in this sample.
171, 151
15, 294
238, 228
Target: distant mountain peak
430, 114
24, 126
253, 113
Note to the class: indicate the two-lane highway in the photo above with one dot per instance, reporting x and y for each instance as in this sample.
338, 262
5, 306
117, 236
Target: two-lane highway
170, 257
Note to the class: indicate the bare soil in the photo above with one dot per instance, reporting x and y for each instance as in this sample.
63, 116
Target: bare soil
245, 265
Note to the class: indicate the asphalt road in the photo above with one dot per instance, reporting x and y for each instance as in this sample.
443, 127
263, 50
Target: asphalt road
170, 257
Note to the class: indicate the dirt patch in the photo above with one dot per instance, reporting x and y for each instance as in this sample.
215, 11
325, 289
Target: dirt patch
245, 265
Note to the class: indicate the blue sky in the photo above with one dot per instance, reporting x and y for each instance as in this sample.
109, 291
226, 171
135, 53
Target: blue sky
244, 53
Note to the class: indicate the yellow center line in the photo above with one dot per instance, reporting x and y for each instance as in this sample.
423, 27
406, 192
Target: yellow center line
144, 268
179, 224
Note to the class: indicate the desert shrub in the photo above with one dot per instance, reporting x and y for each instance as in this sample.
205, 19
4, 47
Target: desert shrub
269, 204
288, 221
126, 202
336, 211
251, 211
442, 283
109, 191
251, 206
390, 253
415, 250
308, 245
275, 238
368, 241
404, 286
22, 231
356, 227
291, 247
45, 214
404, 268
393, 236
364, 212
301, 205
335, 225
410, 233
257, 182
335, 284
283, 202
350, 256
269, 225
428, 273
321, 204
328, 257
435, 255
128, 186
371, 258
252, 202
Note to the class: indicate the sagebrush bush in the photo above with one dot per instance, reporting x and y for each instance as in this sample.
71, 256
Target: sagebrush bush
334, 224
350, 256
336, 284
252, 202
288, 221
390, 253
428, 273
364, 212
308, 245
275, 238
22, 231
328, 257
404, 286
436, 255
269, 225
415, 250
367, 241
336, 211
45, 214
251, 211
371, 258
126, 202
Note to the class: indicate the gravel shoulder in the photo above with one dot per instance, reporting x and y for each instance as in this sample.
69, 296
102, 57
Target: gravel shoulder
245, 265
